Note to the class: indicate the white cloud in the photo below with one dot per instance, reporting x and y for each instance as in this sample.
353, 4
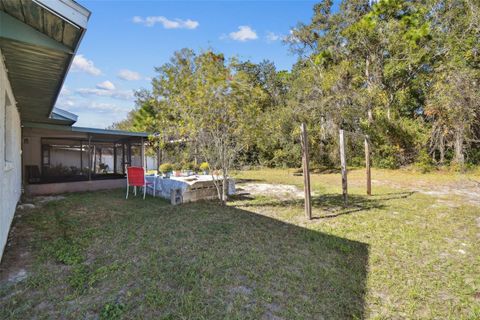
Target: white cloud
65, 103
106, 85
272, 37
166, 23
104, 107
117, 94
243, 34
80, 63
65, 91
291, 37
129, 75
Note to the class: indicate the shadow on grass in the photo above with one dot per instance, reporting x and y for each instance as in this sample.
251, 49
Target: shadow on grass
245, 180
198, 260
331, 204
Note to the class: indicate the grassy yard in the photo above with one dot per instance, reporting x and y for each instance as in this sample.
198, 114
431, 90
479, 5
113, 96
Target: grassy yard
409, 251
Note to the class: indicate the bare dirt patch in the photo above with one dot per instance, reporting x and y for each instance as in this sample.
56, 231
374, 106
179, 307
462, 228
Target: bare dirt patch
280, 191
466, 190
17, 260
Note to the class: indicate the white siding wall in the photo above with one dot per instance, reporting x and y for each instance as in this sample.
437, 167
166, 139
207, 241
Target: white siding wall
10, 163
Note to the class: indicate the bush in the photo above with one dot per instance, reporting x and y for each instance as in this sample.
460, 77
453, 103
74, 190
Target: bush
396, 143
166, 167
424, 162
177, 166
357, 161
188, 166
388, 157
288, 157
204, 166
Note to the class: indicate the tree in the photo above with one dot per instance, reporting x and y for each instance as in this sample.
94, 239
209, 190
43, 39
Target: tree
215, 108
454, 99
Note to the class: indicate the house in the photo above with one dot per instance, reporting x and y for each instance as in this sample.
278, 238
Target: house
41, 151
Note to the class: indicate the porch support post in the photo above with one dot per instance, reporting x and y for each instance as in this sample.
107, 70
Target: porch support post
129, 154
159, 158
343, 163
94, 160
123, 157
81, 156
114, 158
142, 152
89, 158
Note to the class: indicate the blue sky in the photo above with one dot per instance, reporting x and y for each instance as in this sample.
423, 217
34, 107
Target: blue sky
125, 40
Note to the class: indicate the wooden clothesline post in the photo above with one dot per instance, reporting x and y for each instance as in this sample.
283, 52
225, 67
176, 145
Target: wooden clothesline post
306, 171
367, 165
343, 162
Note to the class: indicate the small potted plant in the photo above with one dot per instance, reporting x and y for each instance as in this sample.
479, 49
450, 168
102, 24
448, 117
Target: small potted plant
188, 168
177, 169
166, 169
204, 167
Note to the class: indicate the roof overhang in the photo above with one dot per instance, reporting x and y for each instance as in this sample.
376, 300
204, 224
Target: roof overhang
94, 133
63, 116
38, 40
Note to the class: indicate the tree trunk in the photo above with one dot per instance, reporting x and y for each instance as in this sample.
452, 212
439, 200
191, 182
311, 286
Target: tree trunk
367, 77
224, 174
389, 107
370, 114
224, 186
441, 148
459, 156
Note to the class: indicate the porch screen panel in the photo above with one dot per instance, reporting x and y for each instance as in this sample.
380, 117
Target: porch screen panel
64, 159
136, 155
103, 158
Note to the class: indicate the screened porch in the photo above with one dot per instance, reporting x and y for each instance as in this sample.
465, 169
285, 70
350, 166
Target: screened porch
53, 155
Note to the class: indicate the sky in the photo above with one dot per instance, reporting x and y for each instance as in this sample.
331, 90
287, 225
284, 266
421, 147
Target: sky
126, 40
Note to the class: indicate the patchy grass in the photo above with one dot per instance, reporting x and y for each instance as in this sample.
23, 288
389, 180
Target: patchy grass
401, 253
422, 234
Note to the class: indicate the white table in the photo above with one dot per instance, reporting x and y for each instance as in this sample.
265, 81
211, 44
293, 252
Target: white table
164, 186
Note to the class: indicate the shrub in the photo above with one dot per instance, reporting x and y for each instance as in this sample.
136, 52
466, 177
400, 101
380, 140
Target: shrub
357, 161
204, 166
288, 157
166, 167
188, 166
388, 157
177, 166
424, 162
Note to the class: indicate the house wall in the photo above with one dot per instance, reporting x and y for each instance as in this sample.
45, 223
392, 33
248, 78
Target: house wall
10, 156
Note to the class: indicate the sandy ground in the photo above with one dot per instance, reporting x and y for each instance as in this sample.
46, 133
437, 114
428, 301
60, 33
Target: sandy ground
280, 191
465, 191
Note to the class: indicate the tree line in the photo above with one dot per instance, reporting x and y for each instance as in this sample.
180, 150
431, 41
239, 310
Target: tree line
405, 73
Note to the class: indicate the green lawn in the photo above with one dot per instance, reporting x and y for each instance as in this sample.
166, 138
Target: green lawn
402, 253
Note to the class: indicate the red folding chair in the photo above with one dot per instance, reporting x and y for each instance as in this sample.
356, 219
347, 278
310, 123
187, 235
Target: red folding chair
136, 178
